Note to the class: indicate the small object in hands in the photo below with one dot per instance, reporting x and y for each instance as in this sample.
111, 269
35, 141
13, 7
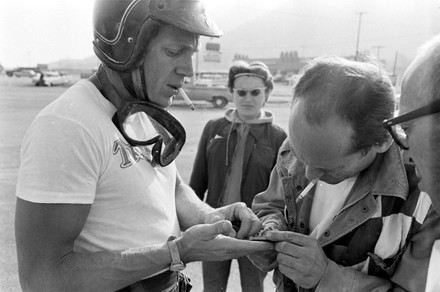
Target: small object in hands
186, 98
260, 236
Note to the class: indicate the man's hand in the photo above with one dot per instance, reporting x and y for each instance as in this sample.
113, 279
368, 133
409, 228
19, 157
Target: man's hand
207, 242
265, 260
249, 222
300, 257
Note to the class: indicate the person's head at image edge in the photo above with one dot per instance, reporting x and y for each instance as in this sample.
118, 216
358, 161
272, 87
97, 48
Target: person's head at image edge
421, 88
335, 125
250, 85
146, 46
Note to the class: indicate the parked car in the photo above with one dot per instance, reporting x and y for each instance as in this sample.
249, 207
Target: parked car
49, 78
21, 72
288, 78
291, 79
279, 77
218, 95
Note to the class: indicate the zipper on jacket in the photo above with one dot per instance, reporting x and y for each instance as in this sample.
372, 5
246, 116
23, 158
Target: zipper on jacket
227, 143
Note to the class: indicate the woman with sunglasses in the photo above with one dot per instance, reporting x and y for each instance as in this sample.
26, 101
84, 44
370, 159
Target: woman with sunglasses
235, 156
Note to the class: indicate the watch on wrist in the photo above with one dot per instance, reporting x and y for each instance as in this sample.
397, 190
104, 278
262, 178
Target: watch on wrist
176, 262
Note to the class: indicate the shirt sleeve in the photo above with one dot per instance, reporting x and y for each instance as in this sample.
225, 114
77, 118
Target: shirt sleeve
59, 163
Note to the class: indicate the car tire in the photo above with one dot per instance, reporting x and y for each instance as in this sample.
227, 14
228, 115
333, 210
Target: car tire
219, 101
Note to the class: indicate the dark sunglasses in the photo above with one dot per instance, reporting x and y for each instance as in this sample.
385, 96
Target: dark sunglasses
143, 123
244, 92
396, 131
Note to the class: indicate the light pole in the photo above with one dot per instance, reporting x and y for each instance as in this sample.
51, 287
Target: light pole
358, 35
395, 63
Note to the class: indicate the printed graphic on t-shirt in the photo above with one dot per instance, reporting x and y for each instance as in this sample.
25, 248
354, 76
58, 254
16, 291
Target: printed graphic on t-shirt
129, 154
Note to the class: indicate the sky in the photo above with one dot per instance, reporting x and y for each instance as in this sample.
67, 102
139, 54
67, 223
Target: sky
44, 31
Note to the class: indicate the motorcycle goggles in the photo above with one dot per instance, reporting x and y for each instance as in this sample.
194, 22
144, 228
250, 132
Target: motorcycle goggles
143, 124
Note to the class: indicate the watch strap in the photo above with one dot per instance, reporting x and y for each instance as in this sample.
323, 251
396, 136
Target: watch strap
176, 262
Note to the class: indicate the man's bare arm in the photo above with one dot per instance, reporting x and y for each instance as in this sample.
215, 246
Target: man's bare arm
45, 234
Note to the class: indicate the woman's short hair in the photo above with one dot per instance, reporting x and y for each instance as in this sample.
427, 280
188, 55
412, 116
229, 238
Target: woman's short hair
257, 68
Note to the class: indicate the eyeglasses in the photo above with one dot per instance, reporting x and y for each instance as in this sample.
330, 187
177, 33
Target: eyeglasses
143, 123
396, 130
244, 92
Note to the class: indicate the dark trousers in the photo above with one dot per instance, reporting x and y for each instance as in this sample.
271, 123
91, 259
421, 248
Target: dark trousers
216, 274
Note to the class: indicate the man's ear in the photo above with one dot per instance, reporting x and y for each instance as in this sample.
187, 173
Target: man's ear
383, 147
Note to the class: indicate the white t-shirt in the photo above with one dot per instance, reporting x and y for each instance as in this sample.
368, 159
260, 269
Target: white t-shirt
327, 203
73, 154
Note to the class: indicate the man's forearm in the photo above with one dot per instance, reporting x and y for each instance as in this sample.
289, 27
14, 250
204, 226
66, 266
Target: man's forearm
190, 209
100, 271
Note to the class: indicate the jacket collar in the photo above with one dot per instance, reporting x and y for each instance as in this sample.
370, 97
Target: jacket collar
386, 176
256, 128
266, 117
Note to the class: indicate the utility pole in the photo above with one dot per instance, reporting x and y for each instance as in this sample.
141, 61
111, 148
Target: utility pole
395, 64
378, 51
358, 35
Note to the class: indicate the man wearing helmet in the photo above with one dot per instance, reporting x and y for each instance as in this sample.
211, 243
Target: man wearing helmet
100, 204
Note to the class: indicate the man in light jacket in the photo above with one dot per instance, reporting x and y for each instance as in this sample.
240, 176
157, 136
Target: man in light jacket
342, 207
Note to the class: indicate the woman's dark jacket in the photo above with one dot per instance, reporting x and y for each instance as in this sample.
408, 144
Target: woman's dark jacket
216, 149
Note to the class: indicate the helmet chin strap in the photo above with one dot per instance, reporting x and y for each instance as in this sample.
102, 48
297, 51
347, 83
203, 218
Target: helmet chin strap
111, 86
138, 78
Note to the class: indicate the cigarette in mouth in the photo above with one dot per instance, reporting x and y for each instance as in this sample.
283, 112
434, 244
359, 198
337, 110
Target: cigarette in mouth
306, 190
186, 98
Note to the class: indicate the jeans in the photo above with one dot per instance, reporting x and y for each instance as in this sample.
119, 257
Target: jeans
216, 274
